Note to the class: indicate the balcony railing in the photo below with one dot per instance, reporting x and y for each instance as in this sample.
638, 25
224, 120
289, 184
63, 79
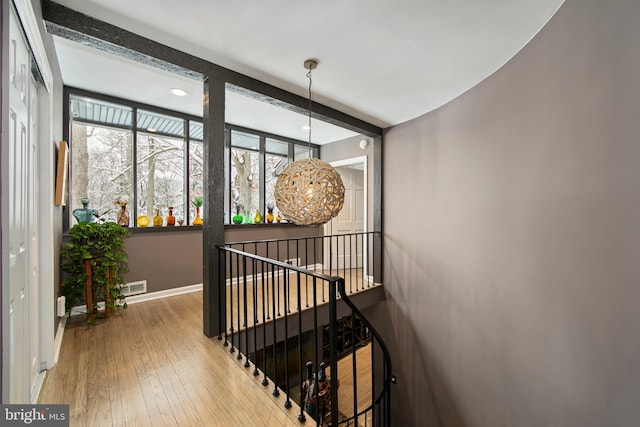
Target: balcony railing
290, 316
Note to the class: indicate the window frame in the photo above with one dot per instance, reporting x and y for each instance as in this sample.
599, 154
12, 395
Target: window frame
69, 91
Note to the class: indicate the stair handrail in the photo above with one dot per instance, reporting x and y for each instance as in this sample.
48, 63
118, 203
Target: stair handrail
336, 285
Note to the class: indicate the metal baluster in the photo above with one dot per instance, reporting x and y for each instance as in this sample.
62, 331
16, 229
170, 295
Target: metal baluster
306, 260
246, 312
268, 312
287, 290
315, 332
333, 352
358, 265
344, 260
230, 257
351, 256
276, 392
301, 417
255, 287
279, 270
254, 274
354, 367
287, 403
323, 266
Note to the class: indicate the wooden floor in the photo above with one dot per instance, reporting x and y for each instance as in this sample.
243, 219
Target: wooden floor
363, 382
279, 298
152, 366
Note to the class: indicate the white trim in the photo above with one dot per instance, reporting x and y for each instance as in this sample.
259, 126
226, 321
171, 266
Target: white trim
37, 386
58, 341
348, 162
30, 25
164, 294
312, 267
81, 309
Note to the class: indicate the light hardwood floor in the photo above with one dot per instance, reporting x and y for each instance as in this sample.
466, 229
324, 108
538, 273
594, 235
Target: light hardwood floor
275, 305
363, 381
152, 366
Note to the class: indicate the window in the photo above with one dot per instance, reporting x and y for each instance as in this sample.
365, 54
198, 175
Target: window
276, 158
255, 161
154, 159
101, 164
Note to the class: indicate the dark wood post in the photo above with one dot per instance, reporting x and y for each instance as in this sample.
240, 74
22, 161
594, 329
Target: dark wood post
213, 286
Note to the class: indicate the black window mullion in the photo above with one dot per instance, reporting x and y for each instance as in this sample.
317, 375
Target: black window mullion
228, 148
187, 169
292, 153
134, 167
262, 174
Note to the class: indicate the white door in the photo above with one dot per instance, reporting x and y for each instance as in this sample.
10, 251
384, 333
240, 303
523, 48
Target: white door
351, 219
32, 222
21, 218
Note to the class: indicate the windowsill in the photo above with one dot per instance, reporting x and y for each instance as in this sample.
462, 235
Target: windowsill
177, 228
263, 225
193, 228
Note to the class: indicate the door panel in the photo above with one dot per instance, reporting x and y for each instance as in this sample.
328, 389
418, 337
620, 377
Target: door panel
32, 209
21, 186
350, 219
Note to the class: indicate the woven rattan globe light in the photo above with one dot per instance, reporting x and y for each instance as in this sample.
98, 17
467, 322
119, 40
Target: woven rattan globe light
309, 191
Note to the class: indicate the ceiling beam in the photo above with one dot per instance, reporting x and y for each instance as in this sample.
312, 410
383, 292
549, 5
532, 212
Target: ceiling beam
76, 26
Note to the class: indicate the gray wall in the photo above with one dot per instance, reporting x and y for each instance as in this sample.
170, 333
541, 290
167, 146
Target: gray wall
513, 288
172, 259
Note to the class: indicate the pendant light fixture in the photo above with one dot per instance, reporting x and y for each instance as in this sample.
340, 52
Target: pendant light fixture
309, 191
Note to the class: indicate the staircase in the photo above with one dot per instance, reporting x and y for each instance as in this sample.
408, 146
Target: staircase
293, 314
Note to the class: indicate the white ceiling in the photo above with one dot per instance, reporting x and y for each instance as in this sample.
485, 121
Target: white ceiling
381, 61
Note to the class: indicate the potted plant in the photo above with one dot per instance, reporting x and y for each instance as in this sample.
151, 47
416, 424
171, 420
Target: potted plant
197, 202
94, 251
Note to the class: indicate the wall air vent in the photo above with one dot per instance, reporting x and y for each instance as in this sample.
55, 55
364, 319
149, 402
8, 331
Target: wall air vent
134, 288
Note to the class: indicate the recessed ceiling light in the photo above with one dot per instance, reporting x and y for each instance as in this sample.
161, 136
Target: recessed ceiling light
178, 92
306, 127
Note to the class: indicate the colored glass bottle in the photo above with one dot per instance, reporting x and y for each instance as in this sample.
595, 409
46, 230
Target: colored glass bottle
157, 220
237, 218
171, 220
257, 219
123, 215
270, 215
197, 220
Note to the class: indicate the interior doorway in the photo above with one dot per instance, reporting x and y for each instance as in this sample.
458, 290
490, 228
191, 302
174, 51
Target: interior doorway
353, 216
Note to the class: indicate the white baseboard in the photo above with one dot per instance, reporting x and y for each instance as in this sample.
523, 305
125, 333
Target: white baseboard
57, 342
37, 386
150, 296
280, 272
57, 345
134, 299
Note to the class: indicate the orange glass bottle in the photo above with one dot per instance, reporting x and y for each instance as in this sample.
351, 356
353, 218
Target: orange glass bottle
171, 220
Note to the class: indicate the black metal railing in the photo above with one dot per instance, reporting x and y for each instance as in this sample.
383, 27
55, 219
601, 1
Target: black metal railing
286, 320
353, 256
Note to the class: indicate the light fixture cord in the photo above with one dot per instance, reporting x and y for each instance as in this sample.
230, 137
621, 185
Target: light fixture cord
309, 124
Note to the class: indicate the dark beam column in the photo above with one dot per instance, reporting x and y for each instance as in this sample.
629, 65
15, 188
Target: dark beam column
377, 208
213, 288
